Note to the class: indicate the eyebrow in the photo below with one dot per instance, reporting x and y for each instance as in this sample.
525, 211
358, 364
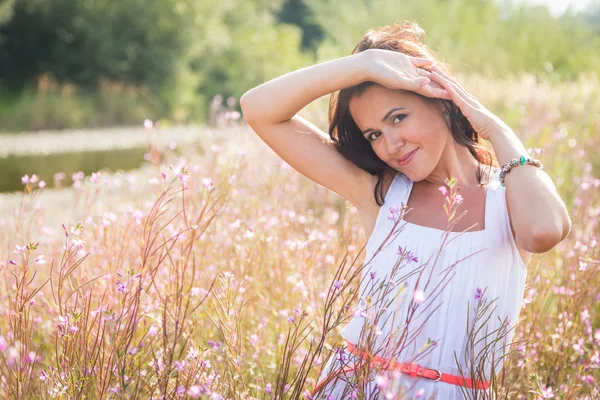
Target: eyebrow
384, 118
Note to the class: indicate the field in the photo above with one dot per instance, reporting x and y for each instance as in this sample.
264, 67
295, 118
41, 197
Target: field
214, 270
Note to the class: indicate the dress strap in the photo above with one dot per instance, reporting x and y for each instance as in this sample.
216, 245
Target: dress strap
402, 186
495, 216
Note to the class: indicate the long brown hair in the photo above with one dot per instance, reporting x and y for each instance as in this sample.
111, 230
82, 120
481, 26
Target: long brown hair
408, 38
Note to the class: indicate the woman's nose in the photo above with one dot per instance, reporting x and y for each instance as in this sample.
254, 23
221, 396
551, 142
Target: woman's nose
394, 142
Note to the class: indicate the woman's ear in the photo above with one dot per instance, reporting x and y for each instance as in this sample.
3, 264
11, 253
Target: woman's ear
445, 107
446, 114
445, 110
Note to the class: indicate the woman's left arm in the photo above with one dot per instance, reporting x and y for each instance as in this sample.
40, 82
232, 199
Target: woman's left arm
538, 215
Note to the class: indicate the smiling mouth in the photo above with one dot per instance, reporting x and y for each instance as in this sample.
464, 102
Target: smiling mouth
407, 157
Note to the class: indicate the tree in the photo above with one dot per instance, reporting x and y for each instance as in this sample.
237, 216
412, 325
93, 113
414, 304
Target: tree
298, 13
6, 10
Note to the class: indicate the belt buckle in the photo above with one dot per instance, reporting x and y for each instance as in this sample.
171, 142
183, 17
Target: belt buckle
439, 376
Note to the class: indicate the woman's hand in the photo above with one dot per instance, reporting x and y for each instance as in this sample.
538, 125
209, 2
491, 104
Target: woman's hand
482, 120
396, 70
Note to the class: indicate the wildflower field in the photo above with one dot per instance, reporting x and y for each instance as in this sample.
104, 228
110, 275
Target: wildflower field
216, 271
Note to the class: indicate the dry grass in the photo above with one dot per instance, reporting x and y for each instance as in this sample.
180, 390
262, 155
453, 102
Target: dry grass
227, 274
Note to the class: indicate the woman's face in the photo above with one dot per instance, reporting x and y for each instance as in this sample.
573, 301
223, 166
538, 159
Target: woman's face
412, 125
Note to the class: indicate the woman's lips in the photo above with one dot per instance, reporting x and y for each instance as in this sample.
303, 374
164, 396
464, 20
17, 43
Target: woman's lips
409, 159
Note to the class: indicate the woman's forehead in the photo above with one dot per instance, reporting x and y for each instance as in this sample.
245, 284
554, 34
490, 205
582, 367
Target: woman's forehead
377, 96
378, 102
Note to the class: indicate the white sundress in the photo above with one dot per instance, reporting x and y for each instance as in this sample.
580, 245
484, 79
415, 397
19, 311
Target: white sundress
474, 268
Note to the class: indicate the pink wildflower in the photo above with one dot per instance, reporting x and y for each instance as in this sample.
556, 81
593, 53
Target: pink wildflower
381, 381
419, 296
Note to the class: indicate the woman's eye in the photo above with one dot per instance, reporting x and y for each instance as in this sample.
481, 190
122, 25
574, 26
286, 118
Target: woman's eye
398, 116
370, 137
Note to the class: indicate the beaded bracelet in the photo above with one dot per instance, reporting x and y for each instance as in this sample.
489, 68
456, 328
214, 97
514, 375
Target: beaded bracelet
518, 161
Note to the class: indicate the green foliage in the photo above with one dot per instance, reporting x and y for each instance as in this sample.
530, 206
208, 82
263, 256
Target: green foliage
62, 107
134, 42
298, 13
229, 53
6, 10
184, 52
592, 15
472, 35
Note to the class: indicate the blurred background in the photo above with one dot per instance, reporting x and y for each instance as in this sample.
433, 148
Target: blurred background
195, 255
78, 69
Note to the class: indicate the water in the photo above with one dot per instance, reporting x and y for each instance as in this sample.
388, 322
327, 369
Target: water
45, 166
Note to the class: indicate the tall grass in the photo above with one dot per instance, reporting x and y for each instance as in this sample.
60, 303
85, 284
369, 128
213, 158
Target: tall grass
222, 273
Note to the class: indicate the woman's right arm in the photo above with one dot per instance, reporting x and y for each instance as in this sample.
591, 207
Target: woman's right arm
281, 98
271, 111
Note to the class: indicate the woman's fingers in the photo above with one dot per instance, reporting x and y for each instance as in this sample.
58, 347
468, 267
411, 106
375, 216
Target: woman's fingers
421, 61
437, 93
412, 83
434, 90
419, 83
424, 85
458, 99
423, 72
435, 77
447, 77
438, 70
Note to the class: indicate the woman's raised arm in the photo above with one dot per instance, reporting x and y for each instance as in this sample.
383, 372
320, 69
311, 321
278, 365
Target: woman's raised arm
271, 111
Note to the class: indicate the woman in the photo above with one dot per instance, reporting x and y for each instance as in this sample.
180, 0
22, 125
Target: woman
402, 130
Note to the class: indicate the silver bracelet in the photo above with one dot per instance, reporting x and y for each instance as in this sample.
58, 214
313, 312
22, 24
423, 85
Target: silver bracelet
517, 161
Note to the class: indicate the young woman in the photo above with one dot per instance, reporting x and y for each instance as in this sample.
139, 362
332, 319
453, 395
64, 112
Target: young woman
401, 127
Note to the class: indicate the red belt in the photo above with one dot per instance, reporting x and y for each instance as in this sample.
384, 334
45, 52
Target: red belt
413, 370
